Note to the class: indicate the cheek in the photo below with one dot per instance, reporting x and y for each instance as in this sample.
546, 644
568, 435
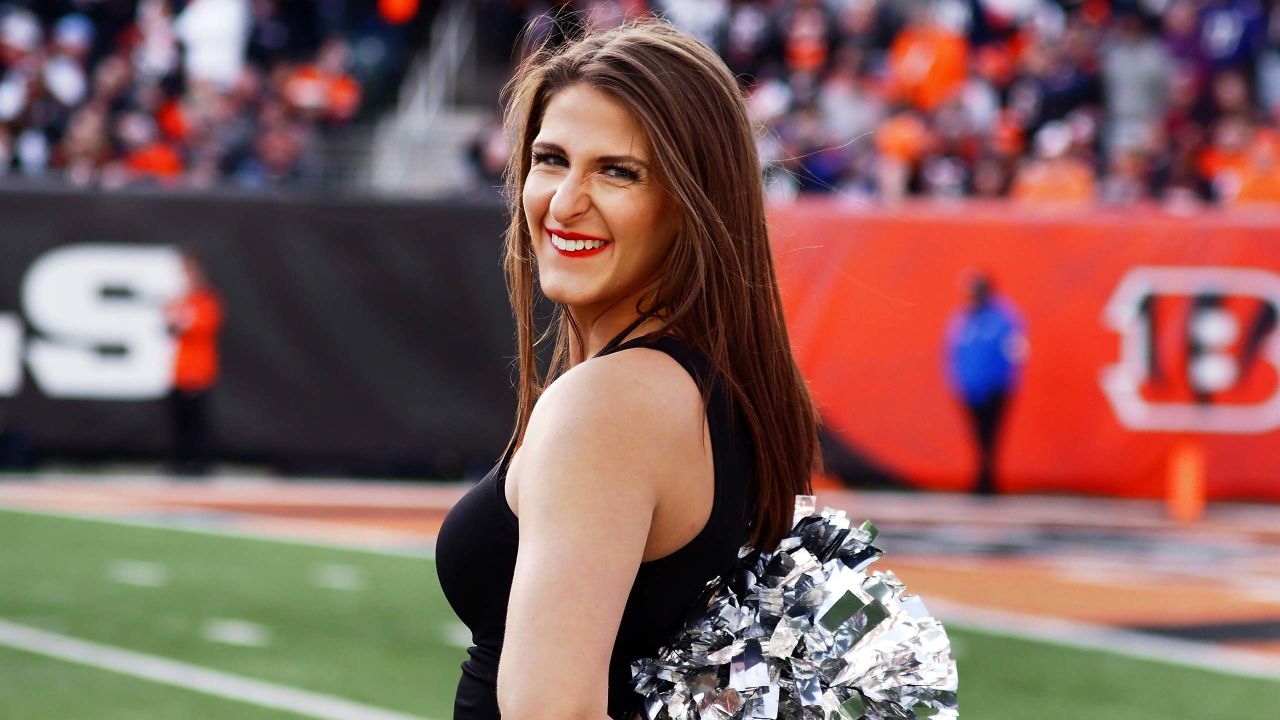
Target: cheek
654, 221
536, 197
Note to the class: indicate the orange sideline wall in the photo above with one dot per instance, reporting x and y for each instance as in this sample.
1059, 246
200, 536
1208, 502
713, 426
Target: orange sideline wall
1103, 295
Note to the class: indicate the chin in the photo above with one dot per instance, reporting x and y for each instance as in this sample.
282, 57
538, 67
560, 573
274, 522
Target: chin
566, 294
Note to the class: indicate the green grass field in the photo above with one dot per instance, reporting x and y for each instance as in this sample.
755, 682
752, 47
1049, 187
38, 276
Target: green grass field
386, 643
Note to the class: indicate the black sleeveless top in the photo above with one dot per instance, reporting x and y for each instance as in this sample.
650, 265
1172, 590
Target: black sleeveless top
476, 556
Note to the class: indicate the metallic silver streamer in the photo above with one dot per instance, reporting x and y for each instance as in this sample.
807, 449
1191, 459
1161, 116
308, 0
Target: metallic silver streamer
805, 633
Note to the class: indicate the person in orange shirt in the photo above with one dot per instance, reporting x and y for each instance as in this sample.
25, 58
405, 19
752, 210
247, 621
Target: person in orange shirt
1260, 178
901, 141
928, 62
1055, 177
323, 90
193, 319
1225, 161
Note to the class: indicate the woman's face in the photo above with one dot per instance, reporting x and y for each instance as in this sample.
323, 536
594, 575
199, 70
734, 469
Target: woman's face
590, 180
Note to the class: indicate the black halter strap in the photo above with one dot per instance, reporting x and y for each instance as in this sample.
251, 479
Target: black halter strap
617, 339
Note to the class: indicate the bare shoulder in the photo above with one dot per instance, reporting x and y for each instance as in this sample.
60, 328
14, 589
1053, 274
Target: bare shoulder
647, 388
633, 416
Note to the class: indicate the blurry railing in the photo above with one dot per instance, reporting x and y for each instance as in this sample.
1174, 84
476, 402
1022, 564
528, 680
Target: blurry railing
416, 150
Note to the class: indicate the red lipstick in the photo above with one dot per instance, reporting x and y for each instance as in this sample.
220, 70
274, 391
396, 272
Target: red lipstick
576, 236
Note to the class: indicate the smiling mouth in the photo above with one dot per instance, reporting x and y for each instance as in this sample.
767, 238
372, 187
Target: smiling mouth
577, 247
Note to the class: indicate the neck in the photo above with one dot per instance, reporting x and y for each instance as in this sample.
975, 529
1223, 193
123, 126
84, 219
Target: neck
600, 331
599, 328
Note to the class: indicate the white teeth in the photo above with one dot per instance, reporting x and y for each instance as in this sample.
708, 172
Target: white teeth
574, 245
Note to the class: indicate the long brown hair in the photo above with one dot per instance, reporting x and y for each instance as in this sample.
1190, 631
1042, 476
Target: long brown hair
718, 289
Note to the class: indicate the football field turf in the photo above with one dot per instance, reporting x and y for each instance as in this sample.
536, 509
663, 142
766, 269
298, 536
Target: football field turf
331, 624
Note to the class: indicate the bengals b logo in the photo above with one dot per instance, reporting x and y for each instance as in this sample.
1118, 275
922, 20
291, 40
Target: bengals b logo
1199, 350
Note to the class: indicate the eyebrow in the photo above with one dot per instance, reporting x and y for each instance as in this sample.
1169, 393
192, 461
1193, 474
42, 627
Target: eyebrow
603, 159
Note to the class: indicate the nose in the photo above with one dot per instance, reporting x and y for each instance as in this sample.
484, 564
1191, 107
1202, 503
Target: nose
571, 199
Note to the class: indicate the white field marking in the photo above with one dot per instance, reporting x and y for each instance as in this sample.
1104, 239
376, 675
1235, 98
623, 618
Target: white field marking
455, 634
427, 553
138, 572
1127, 643
231, 631
1244, 586
1112, 574
338, 576
299, 491
191, 677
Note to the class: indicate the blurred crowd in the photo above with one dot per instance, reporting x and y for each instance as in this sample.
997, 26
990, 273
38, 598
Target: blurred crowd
1111, 101
185, 93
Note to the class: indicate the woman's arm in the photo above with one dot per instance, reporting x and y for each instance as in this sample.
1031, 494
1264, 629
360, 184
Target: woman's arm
598, 444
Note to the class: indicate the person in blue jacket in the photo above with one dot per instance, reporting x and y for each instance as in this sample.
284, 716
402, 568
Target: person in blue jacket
986, 347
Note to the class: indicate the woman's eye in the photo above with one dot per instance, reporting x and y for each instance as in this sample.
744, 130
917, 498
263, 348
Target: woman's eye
622, 173
540, 158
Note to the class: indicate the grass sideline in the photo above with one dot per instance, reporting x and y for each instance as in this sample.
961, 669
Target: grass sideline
387, 643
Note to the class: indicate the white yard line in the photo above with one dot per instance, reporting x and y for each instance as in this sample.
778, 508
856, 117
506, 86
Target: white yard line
338, 576
191, 677
138, 572
1089, 636
427, 552
296, 492
234, 631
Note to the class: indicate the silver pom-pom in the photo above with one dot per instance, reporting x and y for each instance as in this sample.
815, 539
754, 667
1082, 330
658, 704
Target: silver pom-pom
804, 633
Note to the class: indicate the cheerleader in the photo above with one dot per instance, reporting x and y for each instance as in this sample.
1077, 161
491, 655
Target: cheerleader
672, 424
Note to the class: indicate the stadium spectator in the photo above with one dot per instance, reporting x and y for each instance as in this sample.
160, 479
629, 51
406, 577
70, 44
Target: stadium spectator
1180, 34
147, 155
1135, 72
322, 90
1260, 178
849, 104
1226, 158
1055, 176
215, 34
902, 140
283, 151
1232, 34
1125, 180
928, 62
748, 39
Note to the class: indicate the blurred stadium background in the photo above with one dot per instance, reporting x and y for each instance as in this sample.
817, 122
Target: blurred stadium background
254, 339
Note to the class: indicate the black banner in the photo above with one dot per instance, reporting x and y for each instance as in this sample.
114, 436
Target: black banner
360, 337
